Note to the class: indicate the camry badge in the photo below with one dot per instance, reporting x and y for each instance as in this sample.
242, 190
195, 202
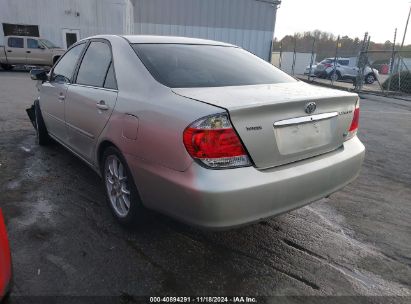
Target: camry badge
310, 107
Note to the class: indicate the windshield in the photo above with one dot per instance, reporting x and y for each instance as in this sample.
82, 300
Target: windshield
48, 44
184, 66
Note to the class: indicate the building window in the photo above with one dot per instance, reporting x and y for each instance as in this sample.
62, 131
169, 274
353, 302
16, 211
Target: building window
20, 30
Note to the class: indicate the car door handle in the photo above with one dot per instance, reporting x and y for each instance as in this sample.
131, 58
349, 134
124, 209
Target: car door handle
28, 52
9, 51
102, 105
61, 97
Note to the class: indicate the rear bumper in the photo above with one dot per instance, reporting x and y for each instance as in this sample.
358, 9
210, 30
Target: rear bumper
221, 199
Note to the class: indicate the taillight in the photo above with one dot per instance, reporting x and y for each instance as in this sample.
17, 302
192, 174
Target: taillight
352, 131
328, 65
213, 141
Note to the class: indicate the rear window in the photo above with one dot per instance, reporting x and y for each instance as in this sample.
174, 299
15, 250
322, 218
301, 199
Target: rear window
185, 66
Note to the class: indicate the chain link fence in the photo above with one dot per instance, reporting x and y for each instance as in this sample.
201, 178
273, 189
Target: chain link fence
358, 69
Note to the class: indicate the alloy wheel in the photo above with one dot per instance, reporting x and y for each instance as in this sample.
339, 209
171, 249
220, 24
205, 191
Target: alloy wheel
118, 189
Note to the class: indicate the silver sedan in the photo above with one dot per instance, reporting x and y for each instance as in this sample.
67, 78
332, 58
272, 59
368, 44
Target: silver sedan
200, 130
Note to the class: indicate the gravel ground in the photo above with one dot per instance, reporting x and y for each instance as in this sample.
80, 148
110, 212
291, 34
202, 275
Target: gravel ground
64, 240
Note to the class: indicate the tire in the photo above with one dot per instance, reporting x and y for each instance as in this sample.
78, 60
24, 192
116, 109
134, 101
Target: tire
335, 76
370, 78
121, 191
42, 135
7, 67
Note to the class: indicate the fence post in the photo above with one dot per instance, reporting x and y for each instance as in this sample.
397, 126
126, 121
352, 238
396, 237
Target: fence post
312, 59
334, 72
392, 61
281, 55
358, 79
294, 55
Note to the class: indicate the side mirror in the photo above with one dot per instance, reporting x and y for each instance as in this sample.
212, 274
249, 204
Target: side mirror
38, 74
41, 47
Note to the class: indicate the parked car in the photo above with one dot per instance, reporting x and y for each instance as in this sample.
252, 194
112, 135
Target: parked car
5, 260
310, 70
200, 130
22, 50
344, 69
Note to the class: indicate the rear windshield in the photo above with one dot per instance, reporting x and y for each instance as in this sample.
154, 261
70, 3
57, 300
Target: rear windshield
186, 66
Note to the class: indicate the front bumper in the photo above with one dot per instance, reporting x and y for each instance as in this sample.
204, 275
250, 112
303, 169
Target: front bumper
221, 199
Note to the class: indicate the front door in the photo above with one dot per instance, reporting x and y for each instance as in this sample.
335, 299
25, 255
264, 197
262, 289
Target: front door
53, 93
91, 99
70, 37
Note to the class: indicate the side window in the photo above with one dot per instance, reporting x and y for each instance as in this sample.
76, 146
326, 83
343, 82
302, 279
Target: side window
64, 69
32, 43
110, 82
343, 62
15, 42
95, 64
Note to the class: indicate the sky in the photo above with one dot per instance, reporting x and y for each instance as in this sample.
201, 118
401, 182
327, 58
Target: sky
345, 17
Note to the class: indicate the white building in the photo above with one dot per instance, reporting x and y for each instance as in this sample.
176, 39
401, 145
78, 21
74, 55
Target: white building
247, 23
64, 22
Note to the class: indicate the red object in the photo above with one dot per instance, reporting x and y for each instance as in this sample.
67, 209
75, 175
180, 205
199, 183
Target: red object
212, 143
5, 259
384, 69
355, 120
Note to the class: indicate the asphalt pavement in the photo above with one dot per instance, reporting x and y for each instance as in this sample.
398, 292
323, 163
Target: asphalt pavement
65, 242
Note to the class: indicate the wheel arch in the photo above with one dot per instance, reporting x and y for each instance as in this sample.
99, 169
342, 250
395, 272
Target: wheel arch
100, 151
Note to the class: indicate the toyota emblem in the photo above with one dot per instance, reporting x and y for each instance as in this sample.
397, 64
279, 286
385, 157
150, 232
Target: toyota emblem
310, 107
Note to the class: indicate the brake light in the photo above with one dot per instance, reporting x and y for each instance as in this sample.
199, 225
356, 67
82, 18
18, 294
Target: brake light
328, 65
352, 131
213, 141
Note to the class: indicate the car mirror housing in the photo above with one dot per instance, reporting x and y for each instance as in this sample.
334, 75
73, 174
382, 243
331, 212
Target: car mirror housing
38, 74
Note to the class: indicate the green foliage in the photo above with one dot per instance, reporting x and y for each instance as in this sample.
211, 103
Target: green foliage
326, 43
399, 82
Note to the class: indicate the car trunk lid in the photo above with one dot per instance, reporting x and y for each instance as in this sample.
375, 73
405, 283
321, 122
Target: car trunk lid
272, 123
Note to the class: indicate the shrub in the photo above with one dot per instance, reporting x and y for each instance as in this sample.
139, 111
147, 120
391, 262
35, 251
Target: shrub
403, 85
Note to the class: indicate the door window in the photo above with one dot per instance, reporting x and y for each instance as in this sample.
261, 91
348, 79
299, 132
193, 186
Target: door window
32, 43
95, 65
15, 42
63, 71
110, 82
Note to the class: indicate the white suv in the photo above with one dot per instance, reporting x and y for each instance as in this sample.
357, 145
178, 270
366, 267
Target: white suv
345, 68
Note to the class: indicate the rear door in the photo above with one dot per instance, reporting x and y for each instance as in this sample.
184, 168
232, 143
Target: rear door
15, 50
90, 101
53, 92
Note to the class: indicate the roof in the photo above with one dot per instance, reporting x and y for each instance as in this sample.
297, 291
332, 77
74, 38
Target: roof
171, 39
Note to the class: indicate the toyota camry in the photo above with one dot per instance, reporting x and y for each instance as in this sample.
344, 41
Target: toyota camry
200, 130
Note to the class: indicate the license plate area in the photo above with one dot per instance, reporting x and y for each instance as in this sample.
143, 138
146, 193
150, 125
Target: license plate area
305, 135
